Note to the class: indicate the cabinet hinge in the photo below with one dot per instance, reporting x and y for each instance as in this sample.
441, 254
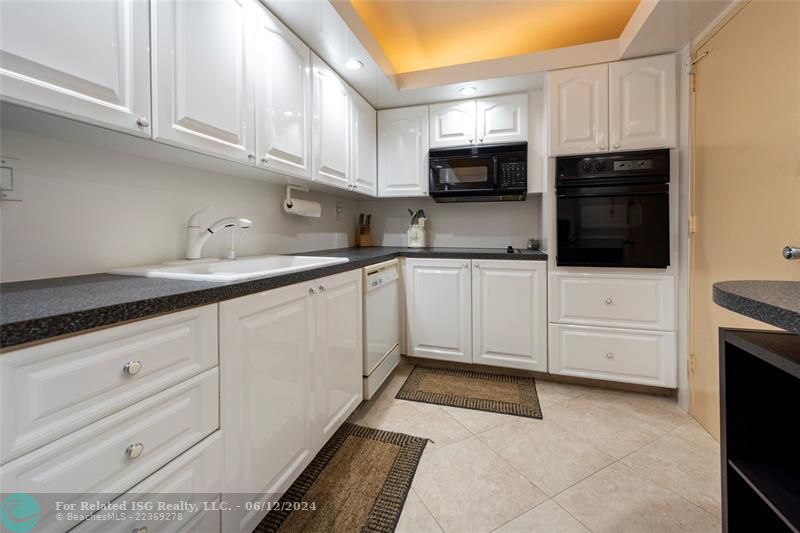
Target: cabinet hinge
691, 362
692, 224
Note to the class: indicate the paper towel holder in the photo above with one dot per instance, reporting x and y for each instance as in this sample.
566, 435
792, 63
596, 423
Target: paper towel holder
301, 188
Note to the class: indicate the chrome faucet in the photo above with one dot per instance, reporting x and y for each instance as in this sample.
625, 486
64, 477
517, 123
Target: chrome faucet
196, 236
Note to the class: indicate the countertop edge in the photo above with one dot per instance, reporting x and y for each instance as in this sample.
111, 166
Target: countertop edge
26, 332
757, 309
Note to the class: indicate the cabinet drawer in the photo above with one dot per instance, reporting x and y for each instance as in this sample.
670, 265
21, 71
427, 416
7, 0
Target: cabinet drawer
94, 463
53, 389
195, 477
639, 302
630, 356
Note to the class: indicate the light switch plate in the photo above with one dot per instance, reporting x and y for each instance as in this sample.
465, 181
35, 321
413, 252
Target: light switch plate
10, 179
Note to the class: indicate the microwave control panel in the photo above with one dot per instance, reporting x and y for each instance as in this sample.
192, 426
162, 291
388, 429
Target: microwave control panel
513, 174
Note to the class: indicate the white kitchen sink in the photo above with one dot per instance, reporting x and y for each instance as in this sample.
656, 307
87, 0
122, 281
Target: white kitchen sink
231, 269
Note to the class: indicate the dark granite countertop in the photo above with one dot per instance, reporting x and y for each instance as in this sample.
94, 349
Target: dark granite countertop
36, 310
774, 302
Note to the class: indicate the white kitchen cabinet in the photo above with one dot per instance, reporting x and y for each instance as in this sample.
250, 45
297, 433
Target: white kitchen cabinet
438, 307
452, 124
509, 314
363, 146
502, 119
88, 61
578, 110
626, 355
403, 152
290, 361
339, 349
331, 127
203, 92
282, 64
643, 103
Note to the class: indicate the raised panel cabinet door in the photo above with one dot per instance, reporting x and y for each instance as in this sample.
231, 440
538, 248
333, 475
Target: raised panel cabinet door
267, 397
439, 303
339, 301
88, 61
403, 152
364, 145
203, 89
331, 121
282, 98
452, 124
643, 103
503, 119
509, 314
578, 103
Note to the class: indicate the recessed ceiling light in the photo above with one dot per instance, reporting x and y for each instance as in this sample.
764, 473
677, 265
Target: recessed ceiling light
354, 64
468, 91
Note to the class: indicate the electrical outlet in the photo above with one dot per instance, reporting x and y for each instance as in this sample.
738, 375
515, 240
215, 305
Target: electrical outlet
10, 179
338, 211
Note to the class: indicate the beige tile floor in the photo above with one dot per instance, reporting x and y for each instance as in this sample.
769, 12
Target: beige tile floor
600, 461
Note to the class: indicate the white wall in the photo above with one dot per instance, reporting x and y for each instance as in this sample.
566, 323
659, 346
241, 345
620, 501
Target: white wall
478, 225
88, 209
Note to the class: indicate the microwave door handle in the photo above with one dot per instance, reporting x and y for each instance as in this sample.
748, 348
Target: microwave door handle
495, 180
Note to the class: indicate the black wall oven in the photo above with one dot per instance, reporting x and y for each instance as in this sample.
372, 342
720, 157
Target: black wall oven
612, 210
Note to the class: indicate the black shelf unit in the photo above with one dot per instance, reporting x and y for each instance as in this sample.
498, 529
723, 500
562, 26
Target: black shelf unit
760, 430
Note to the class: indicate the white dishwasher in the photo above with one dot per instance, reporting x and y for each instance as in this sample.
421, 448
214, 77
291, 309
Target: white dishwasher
381, 323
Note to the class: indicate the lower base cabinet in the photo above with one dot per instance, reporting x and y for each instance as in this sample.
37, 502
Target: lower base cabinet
290, 363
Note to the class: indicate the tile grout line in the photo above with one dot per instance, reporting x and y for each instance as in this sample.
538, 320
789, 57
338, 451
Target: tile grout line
425, 505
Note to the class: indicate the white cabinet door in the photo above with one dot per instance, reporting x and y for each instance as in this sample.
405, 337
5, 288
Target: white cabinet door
331, 112
502, 119
88, 61
339, 367
452, 124
438, 307
509, 314
364, 146
403, 152
202, 85
267, 404
578, 104
642, 106
282, 64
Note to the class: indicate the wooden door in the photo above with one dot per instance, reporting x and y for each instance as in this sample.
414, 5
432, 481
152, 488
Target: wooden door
746, 180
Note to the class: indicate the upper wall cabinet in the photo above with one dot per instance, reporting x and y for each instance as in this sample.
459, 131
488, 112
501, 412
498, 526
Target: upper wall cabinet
502, 119
578, 101
452, 124
282, 98
44, 64
642, 107
403, 151
497, 119
628, 105
363, 145
202, 87
331, 119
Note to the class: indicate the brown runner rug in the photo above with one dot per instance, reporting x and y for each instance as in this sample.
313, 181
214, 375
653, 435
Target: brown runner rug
482, 391
357, 482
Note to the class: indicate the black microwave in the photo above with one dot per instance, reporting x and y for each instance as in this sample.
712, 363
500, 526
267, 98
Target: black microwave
489, 173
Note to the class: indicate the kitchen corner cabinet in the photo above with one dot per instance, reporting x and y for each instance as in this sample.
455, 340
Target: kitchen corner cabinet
403, 152
497, 119
331, 126
363, 146
509, 314
282, 64
438, 307
627, 105
43, 43
203, 93
290, 363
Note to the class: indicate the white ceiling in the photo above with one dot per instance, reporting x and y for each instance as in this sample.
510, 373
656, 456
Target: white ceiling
657, 26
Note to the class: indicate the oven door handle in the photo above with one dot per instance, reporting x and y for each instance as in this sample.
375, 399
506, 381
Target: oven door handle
607, 195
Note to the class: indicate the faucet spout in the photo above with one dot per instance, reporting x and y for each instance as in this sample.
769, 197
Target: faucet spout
196, 237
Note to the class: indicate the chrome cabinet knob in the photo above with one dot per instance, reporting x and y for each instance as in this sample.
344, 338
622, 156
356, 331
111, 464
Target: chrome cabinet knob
602, 147
480, 140
134, 450
470, 141
312, 290
477, 265
265, 160
251, 156
609, 301
142, 529
616, 145
132, 367
321, 288
791, 253
142, 121
609, 355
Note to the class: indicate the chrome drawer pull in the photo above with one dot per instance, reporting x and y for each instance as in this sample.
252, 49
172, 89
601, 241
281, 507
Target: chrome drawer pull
609, 355
132, 367
134, 450
609, 301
